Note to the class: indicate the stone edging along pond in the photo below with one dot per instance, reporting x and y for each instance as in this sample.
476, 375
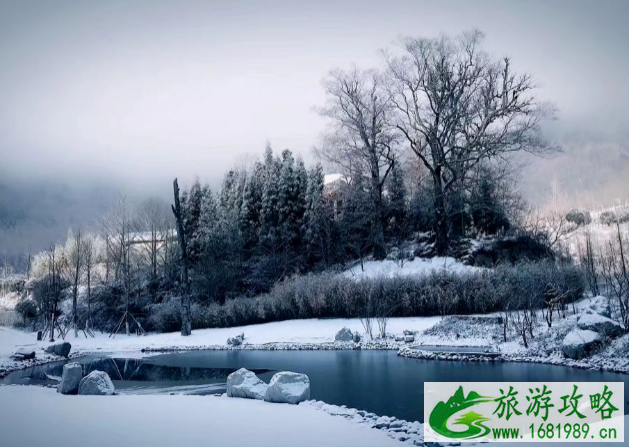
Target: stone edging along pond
515, 358
403, 351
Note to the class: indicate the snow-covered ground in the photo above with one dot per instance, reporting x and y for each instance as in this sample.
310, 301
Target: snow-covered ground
35, 417
302, 332
545, 347
480, 330
281, 425
418, 266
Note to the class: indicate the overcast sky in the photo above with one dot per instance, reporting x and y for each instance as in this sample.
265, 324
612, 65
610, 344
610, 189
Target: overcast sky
143, 91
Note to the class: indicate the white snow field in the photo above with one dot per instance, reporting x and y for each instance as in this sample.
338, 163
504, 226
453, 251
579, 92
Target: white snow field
311, 331
416, 267
35, 417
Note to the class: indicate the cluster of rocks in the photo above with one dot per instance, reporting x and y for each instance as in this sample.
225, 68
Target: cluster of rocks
236, 341
449, 356
389, 344
59, 349
346, 334
285, 387
411, 433
408, 337
593, 328
96, 383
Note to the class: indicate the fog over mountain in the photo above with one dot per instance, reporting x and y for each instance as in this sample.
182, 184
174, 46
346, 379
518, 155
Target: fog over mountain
117, 97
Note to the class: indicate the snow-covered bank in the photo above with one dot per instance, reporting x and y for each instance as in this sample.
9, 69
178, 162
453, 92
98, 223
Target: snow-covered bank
545, 347
169, 421
479, 330
411, 433
293, 334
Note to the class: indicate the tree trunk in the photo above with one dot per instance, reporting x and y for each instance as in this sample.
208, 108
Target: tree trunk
88, 323
75, 290
441, 222
377, 227
186, 317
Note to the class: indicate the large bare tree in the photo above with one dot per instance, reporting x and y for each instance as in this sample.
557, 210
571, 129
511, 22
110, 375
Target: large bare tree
154, 222
457, 108
89, 261
75, 265
361, 139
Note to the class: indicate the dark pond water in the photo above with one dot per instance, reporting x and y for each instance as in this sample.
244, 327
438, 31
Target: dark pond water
376, 381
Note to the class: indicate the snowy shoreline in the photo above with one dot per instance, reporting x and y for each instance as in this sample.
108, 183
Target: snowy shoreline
402, 351
513, 358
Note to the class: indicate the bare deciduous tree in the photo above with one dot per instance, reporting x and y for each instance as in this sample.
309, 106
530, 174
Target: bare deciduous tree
362, 140
154, 225
457, 108
75, 255
552, 227
89, 261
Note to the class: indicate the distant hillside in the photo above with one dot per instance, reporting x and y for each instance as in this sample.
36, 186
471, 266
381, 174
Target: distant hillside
34, 215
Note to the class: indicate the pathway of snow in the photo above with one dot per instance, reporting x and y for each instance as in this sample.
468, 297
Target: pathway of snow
156, 421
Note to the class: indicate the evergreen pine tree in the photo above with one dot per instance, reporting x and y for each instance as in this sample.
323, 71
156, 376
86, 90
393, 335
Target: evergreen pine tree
250, 210
290, 206
356, 219
314, 226
192, 213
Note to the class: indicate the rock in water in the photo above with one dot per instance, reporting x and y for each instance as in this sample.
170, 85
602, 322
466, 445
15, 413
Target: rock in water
599, 323
70, 379
60, 349
244, 383
96, 383
579, 343
344, 335
288, 388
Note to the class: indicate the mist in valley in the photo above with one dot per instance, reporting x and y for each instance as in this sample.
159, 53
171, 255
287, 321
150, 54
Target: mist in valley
109, 100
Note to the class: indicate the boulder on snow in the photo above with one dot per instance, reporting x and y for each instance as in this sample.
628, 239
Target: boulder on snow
244, 383
96, 383
23, 354
236, 341
344, 334
356, 337
60, 349
579, 343
70, 379
409, 338
599, 323
600, 305
288, 388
